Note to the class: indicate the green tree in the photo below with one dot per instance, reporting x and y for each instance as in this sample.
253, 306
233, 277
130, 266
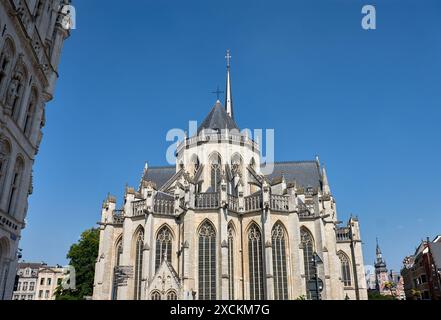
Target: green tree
375, 295
82, 256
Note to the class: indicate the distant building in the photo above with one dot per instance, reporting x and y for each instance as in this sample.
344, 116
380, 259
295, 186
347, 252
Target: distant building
49, 278
37, 281
421, 271
26, 281
384, 282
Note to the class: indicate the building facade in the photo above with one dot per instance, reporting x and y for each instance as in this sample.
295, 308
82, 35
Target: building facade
32, 33
216, 226
422, 271
37, 281
26, 281
49, 278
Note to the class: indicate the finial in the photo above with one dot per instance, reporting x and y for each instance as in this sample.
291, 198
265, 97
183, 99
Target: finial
218, 92
228, 57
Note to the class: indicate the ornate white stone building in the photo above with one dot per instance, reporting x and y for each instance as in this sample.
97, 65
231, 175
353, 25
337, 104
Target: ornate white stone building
215, 227
32, 33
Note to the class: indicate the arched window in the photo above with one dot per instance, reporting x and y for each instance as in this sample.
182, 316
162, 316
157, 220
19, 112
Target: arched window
163, 246
345, 269
138, 263
207, 262
4, 269
6, 58
156, 295
15, 185
255, 262
307, 243
215, 164
16, 90
118, 256
231, 262
171, 295
30, 112
5, 153
278, 238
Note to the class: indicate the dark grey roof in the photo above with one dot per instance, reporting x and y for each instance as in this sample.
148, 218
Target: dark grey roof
305, 173
159, 175
218, 119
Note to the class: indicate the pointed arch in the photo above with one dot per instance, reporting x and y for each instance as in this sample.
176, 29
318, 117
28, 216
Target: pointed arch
215, 162
155, 295
308, 246
17, 180
16, 88
345, 264
6, 59
30, 112
4, 253
164, 244
5, 157
279, 238
171, 295
255, 262
117, 262
207, 261
139, 254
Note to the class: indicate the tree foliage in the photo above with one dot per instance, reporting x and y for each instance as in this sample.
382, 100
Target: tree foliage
82, 256
375, 295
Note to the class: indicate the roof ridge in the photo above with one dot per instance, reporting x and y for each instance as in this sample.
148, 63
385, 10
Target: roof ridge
287, 162
161, 167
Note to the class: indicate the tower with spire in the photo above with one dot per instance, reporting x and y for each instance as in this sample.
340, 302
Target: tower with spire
381, 275
228, 93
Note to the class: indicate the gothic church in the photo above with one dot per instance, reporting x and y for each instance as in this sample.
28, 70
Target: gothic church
213, 226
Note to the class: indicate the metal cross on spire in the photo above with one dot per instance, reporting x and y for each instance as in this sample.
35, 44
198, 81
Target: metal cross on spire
218, 92
228, 57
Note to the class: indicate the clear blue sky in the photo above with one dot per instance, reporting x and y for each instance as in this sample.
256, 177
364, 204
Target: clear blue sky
367, 102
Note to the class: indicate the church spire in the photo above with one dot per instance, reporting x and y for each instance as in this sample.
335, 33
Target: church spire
228, 94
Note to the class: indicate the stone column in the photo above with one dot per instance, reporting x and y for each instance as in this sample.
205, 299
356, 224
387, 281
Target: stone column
266, 234
223, 241
188, 251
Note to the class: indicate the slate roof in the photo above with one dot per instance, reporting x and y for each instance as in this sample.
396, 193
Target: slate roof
218, 119
159, 175
305, 173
